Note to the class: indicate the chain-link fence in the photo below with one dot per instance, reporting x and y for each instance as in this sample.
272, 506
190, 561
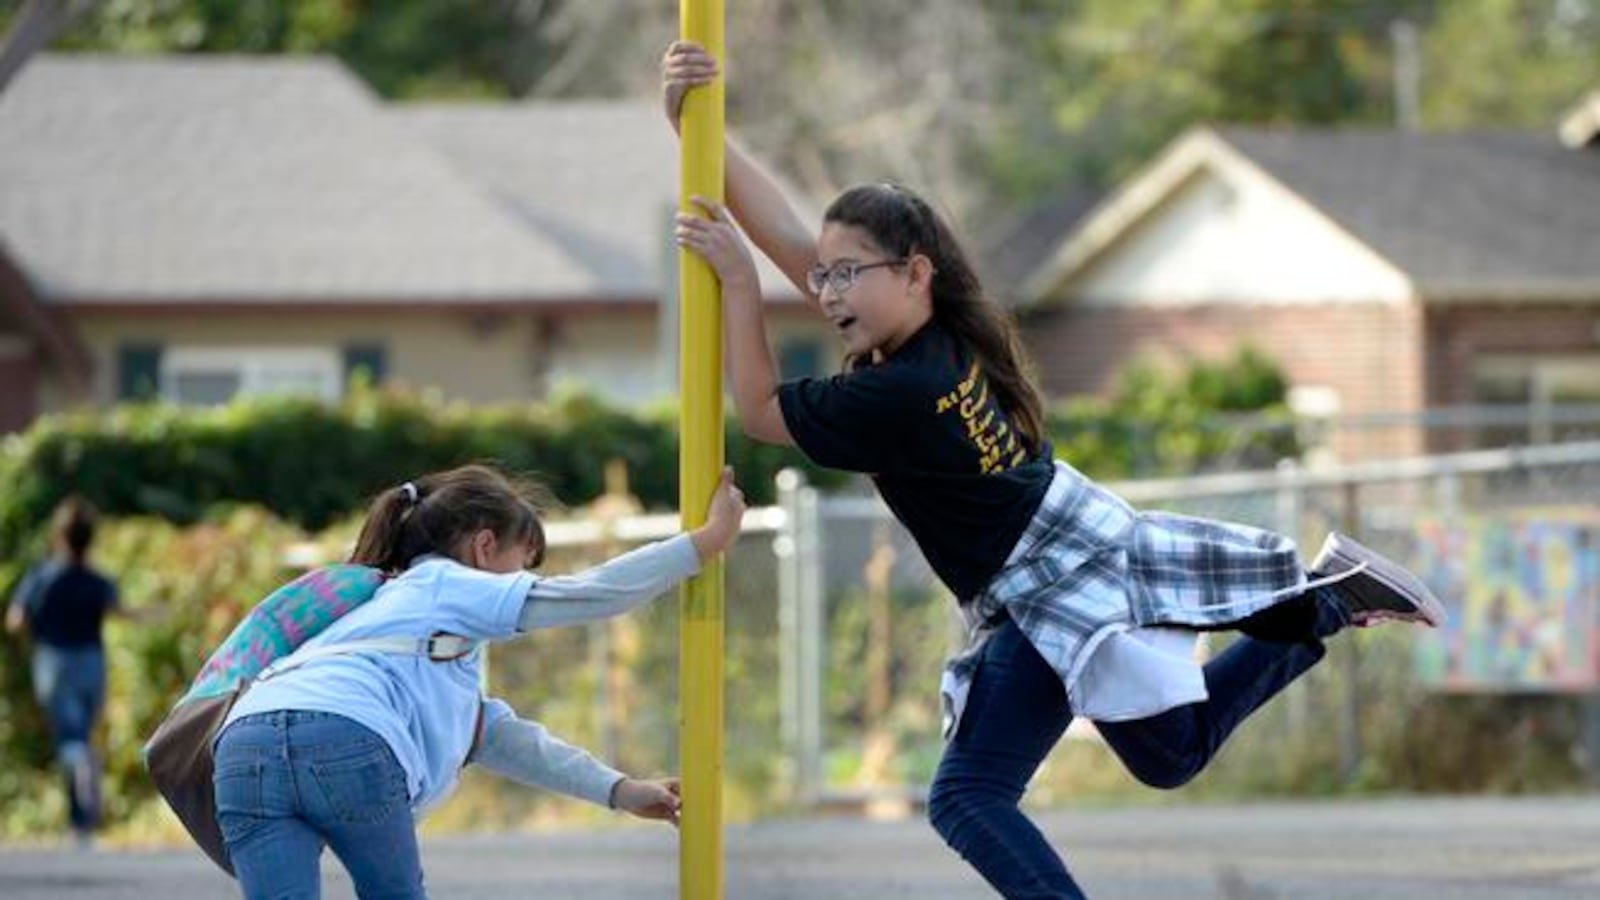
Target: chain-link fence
837, 630
1379, 435
1360, 718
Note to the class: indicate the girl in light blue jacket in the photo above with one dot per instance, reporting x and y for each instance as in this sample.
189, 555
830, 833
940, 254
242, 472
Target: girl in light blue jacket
347, 750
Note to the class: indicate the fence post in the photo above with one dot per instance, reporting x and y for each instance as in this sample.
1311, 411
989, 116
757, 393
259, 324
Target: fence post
1350, 720
809, 560
1589, 737
800, 626
1447, 495
1290, 508
1290, 500
785, 546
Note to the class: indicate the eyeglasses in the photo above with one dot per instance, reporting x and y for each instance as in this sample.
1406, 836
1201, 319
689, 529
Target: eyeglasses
841, 276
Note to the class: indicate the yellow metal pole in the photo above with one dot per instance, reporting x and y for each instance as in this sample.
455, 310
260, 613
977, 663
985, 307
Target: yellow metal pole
700, 464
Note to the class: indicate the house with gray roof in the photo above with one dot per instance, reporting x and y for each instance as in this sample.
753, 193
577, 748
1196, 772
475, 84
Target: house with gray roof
201, 227
1385, 271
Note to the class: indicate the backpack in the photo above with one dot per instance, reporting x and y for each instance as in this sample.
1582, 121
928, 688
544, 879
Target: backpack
178, 755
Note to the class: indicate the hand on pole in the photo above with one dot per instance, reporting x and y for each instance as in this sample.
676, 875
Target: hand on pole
717, 240
648, 799
685, 65
724, 519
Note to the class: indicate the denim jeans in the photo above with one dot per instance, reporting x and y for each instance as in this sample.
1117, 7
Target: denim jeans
291, 782
70, 685
1017, 710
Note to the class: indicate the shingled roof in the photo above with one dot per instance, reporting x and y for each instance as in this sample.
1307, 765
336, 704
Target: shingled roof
598, 179
1011, 251
237, 179
1465, 215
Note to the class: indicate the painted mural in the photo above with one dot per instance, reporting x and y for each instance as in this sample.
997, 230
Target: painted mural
1523, 591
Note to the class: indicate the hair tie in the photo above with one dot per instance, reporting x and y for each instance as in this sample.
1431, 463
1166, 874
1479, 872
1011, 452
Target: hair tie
409, 489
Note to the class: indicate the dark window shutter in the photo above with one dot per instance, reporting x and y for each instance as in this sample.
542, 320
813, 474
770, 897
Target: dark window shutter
370, 358
138, 371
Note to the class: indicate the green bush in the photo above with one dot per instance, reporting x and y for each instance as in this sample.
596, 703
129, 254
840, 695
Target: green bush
1231, 414
310, 463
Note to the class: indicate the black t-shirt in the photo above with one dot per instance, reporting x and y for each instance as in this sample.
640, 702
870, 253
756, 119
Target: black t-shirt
65, 603
944, 455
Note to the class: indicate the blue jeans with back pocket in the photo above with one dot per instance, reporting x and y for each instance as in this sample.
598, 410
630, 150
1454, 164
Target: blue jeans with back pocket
292, 782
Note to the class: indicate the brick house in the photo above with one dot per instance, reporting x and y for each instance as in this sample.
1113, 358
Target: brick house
1386, 272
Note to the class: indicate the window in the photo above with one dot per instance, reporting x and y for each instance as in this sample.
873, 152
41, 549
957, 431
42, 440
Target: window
800, 358
1537, 381
1540, 383
211, 376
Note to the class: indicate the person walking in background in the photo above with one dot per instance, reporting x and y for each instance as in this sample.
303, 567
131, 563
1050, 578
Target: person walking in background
62, 603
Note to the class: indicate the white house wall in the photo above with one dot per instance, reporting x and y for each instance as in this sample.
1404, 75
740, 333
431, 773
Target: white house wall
614, 356
1228, 239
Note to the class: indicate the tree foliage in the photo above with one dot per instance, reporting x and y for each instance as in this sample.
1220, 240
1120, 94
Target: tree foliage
995, 101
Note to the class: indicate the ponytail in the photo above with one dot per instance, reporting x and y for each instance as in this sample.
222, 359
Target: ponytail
438, 512
379, 542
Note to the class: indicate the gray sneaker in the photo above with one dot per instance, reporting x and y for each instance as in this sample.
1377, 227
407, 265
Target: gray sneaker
1378, 588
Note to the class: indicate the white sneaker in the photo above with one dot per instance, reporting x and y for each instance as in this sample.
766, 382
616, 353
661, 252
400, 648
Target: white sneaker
1377, 589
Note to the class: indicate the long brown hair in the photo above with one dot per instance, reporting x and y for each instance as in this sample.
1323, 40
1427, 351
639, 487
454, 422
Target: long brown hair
902, 224
437, 512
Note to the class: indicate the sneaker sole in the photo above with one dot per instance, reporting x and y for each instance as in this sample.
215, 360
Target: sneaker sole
1392, 575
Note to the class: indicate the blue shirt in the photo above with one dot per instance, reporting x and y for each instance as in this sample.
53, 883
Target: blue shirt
426, 710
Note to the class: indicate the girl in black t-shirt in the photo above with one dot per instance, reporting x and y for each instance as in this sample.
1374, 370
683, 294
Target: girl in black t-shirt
1077, 603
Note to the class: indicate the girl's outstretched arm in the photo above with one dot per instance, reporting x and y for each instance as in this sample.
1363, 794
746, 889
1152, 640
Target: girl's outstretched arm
527, 753
612, 588
754, 196
638, 576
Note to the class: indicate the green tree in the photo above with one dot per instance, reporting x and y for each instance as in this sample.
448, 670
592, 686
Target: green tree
1117, 79
1509, 63
403, 48
216, 26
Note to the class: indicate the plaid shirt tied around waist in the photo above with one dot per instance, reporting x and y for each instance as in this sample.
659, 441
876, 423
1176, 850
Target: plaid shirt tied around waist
1089, 566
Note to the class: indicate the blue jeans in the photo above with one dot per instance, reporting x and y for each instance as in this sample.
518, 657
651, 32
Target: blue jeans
70, 685
291, 782
1017, 710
